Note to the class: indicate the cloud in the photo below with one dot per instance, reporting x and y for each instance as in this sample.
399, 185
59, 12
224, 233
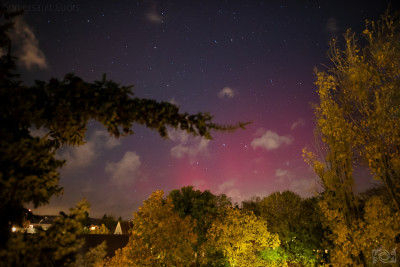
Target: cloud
84, 155
35, 132
199, 184
153, 16
226, 92
281, 173
126, 170
80, 156
105, 139
283, 176
331, 26
187, 145
173, 101
305, 187
27, 44
225, 185
228, 188
271, 141
299, 123
235, 195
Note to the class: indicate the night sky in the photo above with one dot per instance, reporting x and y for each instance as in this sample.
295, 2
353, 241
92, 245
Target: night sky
238, 60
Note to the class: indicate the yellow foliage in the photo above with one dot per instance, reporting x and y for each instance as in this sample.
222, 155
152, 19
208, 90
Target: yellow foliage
241, 236
377, 229
358, 119
160, 237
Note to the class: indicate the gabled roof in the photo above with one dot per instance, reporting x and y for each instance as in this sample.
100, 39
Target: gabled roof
123, 228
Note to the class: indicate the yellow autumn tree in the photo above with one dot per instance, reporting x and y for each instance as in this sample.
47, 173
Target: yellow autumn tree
160, 237
241, 237
379, 229
367, 89
358, 119
339, 204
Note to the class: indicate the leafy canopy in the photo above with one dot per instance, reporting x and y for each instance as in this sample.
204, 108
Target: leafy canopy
241, 236
160, 237
62, 109
358, 119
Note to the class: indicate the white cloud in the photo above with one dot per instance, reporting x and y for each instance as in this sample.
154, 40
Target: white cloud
28, 50
126, 170
173, 101
84, 155
225, 185
281, 173
235, 195
80, 156
299, 123
35, 132
283, 176
199, 184
226, 92
228, 188
305, 187
187, 145
271, 141
104, 137
153, 17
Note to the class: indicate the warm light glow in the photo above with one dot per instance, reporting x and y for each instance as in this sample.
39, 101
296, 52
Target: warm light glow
14, 229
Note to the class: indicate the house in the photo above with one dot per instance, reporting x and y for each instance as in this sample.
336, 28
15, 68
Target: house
34, 222
123, 228
44, 223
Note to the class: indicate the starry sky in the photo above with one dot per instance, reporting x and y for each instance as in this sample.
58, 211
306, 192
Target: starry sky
239, 60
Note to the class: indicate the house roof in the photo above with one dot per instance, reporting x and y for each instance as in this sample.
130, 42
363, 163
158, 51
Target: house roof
38, 219
125, 227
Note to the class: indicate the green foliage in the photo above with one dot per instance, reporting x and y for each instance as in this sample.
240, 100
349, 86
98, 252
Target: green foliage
252, 205
298, 224
202, 206
163, 237
213, 257
275, 257
195, 203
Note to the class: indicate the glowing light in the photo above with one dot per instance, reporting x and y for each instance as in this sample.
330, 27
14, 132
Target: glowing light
14, 229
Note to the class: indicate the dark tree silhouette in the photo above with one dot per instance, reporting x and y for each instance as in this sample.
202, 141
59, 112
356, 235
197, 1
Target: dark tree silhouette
29, 169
